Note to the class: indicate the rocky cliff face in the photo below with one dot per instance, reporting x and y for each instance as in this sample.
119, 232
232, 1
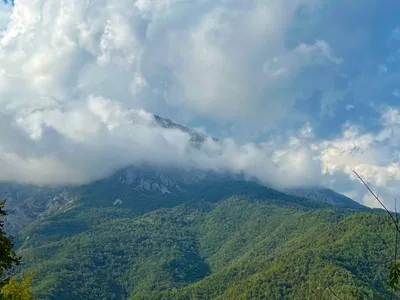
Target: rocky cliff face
27, 203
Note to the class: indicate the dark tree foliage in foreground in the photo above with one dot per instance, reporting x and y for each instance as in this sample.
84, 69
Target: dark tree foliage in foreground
8, 258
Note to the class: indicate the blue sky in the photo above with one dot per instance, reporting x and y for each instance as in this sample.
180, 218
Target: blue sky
361, 34
300, 91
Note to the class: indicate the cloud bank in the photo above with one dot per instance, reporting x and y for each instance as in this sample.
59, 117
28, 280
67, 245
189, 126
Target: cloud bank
79, 81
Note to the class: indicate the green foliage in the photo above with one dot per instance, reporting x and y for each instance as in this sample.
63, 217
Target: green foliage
15, 290
8, 258
260, 245
394, 275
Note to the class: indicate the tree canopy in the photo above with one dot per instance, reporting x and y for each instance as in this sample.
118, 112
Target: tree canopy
8, 257
15, 290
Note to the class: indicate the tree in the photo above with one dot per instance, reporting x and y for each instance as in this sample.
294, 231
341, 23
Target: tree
8, 258
14, 290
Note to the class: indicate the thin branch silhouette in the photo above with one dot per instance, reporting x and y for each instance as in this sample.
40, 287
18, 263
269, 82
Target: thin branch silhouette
394, 219
379, 200
329, 288
397, 242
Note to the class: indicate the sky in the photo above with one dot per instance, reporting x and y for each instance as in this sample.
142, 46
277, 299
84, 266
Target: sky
300, 92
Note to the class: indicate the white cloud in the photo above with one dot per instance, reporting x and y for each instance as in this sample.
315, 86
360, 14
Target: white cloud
87, 142
217, 58
75, 77
374, 155
78, 78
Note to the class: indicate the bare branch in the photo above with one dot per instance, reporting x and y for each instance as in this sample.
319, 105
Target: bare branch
329, 288
397, 242
379, 200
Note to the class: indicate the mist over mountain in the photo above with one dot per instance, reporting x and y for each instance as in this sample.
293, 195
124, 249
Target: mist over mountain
200, 149
278, 83
28, 202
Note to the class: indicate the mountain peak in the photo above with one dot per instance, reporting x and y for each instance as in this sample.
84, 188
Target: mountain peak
196, 137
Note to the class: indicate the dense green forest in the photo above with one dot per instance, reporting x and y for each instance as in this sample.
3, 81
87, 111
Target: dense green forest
255, 244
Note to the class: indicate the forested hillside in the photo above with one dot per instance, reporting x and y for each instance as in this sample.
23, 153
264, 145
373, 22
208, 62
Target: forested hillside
255, 244
199, 149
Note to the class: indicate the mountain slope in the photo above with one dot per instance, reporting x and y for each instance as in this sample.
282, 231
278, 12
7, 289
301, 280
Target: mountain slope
151, 187
324, 194
164, 233
210, 244
301, 263
26, 203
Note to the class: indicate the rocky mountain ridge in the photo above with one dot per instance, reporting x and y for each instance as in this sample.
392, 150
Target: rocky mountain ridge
26, 203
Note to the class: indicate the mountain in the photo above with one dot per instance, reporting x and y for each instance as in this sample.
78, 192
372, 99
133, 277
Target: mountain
26, 203
257, 243
324, 194
146, 232
196, 138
